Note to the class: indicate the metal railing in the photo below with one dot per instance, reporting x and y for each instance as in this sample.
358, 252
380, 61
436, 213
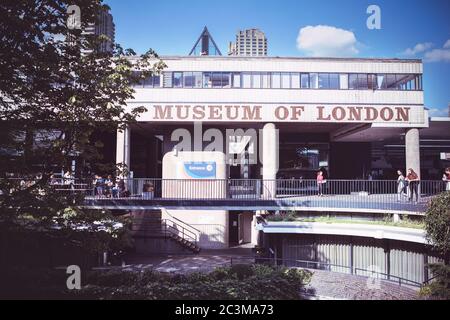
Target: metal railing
368, 194
325, 266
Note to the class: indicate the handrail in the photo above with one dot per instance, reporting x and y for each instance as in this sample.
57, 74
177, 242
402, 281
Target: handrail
182, 222
317, 264
174, 230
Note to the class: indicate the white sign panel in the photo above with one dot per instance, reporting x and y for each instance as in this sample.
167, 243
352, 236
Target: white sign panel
413, 115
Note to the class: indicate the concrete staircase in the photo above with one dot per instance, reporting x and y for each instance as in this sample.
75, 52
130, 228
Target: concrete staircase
163, 235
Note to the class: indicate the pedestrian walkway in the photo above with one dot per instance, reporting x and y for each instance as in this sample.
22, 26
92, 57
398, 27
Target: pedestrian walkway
326, 285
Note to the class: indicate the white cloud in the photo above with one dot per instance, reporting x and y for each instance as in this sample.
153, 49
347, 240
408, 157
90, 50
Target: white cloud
438, 112
437, 55
447, 44
418, 48
322, 40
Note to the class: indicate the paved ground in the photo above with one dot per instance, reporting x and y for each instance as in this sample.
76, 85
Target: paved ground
333, 285
324, 284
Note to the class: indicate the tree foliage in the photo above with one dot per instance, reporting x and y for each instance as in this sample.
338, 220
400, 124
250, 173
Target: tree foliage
437, 223
56, 90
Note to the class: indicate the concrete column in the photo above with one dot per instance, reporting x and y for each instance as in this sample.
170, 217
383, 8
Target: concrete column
269, 160
123, 147
412, 150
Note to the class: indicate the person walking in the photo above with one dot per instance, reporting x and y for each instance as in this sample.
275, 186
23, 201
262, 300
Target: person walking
402, 185
446, 178
413, 182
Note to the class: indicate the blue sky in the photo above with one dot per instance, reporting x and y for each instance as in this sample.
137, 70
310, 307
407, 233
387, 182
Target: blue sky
172, 26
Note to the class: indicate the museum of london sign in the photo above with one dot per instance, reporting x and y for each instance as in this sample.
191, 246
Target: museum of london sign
283, 113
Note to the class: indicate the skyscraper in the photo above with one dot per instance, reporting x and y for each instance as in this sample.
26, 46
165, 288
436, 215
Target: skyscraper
250, 42
103, 26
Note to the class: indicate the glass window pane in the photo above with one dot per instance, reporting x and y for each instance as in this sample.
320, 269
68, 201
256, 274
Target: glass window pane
390, 82
177, 79
156, 81
372, 82
207, 80
265, 80
276, 77
295, 80
362, 81
381, 81
334, 81
343, 81
226, 79
197, 79
188, 79
256, 80
167, 78
353, 81
285, 80
324, 81
246, 80
236, 80
313, 80
305, 80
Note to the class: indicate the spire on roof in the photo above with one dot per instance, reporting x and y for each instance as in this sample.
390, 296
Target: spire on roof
205, 45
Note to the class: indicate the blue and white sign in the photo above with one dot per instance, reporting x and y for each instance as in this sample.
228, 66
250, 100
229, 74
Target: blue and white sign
200, 170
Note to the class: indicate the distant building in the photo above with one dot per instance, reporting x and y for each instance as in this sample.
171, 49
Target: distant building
250, 42
103, 26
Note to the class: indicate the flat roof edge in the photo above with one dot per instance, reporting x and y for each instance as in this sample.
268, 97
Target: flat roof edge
386, 60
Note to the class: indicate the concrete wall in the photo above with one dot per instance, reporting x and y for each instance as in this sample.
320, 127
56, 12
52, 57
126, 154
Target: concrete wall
212, 225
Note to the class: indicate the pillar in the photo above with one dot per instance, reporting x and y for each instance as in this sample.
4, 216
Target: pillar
269, 160
412, 150
123, 147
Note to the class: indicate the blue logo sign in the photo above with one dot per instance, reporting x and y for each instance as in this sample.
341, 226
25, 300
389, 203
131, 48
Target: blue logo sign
200, 170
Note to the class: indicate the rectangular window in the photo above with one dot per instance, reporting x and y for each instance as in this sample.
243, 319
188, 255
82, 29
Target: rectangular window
276, 78
304, 77
285, 80
313, 80
188, 80
216, 79
207, 80
353, 81
236, 80
391, 83
334, 81
148, 82
265, 80
246, 80
177, 79
381, 81
256, 80
167, 78
343, 81
324, 81
156, 81
197, 79
371, 82
226, 80
362, 82
295, 80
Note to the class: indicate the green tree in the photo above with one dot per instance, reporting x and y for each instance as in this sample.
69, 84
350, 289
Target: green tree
56, 90
437, 226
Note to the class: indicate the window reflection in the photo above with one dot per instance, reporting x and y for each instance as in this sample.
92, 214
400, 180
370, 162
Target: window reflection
280, 80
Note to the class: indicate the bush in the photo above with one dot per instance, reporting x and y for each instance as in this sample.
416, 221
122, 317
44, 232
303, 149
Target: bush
241, 282
439, 288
